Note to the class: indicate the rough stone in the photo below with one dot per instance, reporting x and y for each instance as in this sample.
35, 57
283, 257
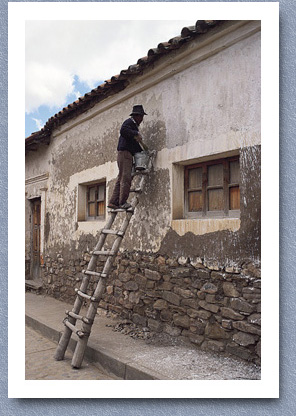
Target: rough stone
232, 269
251, 269
165, 286
183, 292
231, 314
117, 292
152, 275
230, 290
134, 297
181, 272
251, 291
215, 331
201, 295
172, 331
196, 339
196, 262
150, 284
210, 299
192, 303
212, 265
182, 260
124, 277
139, 320
160, 260
239, 351
217, 276
171, 298
203, 314
208, 306
216, 346
199, 327
109, 290
172, 262
245, 327
131, 285
166, 315
203, 274
258, 349
209, 288
193, 313
160, 304
154, 325
182, 321
241, 305
226, 324
243, 339
255, 319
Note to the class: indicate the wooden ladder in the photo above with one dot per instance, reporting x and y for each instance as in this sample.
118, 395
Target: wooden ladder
85, 323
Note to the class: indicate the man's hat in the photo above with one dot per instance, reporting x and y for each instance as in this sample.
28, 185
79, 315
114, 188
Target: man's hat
138, 109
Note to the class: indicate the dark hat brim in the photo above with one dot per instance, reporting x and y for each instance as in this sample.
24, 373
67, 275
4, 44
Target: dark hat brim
140, 114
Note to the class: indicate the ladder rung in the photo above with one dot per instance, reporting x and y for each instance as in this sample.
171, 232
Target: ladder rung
116, 210
94, 273
114, 232
85, 296
80, 317
140, 172
103, 253
131, 209
73, 328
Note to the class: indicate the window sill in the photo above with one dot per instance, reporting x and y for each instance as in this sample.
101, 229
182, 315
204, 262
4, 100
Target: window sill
91, 226
205, 225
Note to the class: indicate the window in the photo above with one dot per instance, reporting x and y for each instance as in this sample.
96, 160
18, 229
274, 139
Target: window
212, 189
95, 201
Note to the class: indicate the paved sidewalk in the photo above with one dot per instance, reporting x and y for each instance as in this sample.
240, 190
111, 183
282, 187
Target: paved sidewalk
134, 359
41, 366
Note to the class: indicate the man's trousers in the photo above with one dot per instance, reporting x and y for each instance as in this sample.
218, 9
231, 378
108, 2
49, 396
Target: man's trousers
124, 179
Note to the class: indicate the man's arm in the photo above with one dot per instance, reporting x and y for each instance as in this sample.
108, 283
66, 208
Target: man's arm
128, 130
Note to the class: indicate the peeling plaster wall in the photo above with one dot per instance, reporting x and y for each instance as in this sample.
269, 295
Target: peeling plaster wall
207, 108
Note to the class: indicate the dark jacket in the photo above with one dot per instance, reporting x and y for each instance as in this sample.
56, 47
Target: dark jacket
128, 131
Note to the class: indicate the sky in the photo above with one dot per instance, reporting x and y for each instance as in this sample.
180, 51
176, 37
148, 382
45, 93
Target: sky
66, 59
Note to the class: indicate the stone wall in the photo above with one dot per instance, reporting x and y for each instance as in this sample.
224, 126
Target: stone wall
217, 308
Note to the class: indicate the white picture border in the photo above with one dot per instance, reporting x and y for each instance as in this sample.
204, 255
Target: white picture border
268, 386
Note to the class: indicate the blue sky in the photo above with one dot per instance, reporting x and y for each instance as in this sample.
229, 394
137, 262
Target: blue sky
66, 59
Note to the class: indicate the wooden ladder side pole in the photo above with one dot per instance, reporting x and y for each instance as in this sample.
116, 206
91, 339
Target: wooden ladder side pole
66, 336
92, 310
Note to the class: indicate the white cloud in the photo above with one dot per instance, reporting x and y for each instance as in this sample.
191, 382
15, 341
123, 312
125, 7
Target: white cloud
39, 123
56, 51
46, 84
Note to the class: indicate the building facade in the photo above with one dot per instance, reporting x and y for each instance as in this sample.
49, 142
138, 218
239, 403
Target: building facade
189, 265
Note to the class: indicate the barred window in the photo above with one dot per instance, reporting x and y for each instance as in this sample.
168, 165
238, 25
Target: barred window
95, 201
212, 189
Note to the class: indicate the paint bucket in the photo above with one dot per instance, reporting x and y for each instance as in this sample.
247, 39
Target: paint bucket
141, 160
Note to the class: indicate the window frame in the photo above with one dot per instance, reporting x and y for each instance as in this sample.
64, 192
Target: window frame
204, 188
95, 201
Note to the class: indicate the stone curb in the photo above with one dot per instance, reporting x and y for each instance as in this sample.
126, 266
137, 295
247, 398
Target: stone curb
126, 370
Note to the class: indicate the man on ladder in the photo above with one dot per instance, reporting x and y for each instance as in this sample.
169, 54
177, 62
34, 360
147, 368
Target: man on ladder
129, 143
